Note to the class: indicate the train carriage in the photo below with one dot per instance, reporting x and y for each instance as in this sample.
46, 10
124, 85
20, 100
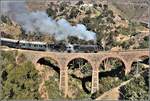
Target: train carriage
9, 42
41, 46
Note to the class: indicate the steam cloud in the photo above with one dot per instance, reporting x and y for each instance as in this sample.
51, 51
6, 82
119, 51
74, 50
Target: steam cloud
39, 21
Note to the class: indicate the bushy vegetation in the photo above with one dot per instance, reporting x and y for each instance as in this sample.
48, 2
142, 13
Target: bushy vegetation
102, 25
75, 89
19, 81
145, 43
52, 88
6, 20
137, 89
105, 84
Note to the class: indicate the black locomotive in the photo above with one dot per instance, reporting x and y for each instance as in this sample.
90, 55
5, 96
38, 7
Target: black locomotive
43, 46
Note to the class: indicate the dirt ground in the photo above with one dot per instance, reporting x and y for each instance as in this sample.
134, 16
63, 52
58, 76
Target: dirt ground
44, 76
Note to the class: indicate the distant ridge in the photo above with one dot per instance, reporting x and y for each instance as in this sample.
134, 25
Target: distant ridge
125, 6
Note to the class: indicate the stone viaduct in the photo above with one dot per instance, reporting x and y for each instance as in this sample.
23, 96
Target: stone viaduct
95, 59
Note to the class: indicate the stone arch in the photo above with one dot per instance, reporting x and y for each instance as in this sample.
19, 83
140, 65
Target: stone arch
50, 74
50, 57
89, 61
108, 79
84, 78
139, 57
120, 71
115, 57
137, 62
53, 64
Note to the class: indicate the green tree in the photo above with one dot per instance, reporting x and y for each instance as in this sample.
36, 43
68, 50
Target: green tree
53, 88
145, 43
6, 19
137, 89
18, 81
51, 12
125, 45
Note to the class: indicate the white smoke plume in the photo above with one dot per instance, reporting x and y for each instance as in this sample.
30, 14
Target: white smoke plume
39, 21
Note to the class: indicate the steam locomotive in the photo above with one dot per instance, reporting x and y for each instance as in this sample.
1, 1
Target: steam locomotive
43, 46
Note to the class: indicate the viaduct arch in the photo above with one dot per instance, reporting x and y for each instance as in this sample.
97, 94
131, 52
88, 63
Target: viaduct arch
114, 57
95, 59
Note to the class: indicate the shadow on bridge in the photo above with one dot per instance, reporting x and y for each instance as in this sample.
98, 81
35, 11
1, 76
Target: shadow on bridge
112, 73
117, 72
48, 62
146, 61
135, 83
83, 80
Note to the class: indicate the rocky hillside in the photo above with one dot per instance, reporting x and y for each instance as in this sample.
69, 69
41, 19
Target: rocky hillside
111, 22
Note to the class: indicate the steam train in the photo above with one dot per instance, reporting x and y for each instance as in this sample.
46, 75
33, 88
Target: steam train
43, 46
